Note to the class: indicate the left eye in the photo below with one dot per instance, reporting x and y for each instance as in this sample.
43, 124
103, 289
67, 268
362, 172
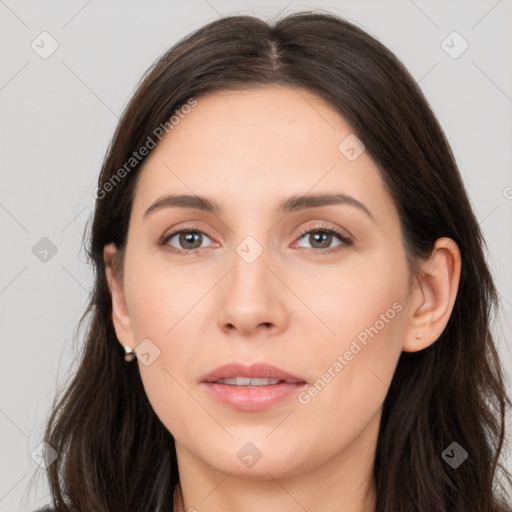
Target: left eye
322, 238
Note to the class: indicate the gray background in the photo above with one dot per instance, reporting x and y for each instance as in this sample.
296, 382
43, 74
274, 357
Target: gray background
57, 118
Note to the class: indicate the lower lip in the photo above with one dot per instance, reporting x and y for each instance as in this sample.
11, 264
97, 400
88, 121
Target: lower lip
255, 398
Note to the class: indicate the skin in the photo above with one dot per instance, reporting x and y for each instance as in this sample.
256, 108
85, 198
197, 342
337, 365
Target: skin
292, 307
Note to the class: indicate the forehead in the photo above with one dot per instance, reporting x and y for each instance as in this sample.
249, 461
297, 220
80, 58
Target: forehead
256, 146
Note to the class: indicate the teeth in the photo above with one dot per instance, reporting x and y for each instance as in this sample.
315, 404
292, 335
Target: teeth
247, 381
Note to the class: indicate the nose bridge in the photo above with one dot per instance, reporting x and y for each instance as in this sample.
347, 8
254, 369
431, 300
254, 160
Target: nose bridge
252, 249
250, 264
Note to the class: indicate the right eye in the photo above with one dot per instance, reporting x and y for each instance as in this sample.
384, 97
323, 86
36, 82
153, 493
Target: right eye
187, 238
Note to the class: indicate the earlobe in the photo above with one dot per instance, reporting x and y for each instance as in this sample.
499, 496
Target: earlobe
120, 315
434, 297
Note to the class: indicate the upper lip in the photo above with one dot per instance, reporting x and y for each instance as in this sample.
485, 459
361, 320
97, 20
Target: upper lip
256, 370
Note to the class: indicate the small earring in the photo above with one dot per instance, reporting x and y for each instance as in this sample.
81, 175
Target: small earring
418, 336
129, 353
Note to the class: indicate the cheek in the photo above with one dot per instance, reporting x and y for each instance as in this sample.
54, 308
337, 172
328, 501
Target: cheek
164, 310
160, 298
162, 314
366, 309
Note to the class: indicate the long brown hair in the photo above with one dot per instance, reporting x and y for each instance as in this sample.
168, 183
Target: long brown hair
115, 454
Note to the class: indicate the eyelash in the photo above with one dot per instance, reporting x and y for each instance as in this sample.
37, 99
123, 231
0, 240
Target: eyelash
346, 241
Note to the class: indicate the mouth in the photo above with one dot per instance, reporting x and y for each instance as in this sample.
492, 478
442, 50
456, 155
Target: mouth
249, 382
251, 388
257, 374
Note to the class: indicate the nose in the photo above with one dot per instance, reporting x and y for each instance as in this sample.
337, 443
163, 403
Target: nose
252, 299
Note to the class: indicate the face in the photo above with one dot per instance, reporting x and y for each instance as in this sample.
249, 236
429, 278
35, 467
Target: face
319, 289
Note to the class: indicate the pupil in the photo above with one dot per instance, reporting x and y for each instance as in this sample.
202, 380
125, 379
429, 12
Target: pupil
188, 238
321, 235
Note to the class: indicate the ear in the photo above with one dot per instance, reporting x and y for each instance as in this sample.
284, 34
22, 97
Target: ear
120, 316
433, 299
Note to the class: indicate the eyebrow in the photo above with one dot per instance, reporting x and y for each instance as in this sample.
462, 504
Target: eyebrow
291, 204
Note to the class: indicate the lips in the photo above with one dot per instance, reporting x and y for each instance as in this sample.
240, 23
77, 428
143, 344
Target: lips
254, 371
251, 388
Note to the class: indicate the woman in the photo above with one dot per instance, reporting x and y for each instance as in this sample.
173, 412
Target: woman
227, 365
